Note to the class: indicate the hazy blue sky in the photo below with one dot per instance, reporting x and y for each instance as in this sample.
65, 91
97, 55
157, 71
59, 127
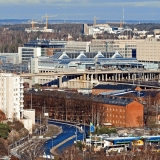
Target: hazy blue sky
81, 9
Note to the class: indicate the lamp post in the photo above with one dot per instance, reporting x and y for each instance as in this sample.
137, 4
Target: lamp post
52, 141
76, 132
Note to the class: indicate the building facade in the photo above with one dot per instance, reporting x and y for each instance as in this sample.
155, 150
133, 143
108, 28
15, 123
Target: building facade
48, 47
124, 47
148, 50
11, 93
74, 46
125, 114
26, 53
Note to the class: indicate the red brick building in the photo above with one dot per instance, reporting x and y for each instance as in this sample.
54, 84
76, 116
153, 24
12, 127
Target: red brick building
123, 112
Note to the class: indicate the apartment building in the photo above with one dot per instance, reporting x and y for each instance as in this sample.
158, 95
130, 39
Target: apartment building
149, 50
11, 95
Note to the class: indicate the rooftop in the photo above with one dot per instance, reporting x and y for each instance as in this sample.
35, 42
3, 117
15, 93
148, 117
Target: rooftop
115, 87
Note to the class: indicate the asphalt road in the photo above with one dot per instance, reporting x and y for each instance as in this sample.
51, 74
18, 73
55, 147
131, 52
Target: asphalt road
68, 130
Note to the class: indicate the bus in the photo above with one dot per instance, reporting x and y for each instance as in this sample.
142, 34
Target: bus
117, 148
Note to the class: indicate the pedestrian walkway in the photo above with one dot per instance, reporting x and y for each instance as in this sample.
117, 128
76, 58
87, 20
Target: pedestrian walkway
53, 150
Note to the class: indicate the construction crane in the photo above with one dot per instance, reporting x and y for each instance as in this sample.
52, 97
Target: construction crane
33, 22
95, 20
46, 16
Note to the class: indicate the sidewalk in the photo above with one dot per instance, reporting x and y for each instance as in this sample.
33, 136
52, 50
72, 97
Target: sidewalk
53, 150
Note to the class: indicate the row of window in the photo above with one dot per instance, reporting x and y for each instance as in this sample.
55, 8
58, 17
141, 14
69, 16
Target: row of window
115, 109
115, 115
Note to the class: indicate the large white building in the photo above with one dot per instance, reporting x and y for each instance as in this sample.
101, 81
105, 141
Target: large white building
74, 46
11, 95
26, 53
149, 50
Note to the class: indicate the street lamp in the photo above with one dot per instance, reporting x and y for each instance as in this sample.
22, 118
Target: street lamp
52, 141
83, 126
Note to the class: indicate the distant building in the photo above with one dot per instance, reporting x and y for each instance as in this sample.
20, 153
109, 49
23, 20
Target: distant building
148, 50
25, 53
48, 47
11, 95
9, 58
98, 45
96, 29
74, 46
37, 29
102, 88
122, 112
157, 32
123, 46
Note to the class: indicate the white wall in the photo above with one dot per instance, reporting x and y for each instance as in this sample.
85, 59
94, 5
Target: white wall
30, 113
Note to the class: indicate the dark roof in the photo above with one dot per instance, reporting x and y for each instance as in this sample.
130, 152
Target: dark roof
112, 100
140, 93
115, 87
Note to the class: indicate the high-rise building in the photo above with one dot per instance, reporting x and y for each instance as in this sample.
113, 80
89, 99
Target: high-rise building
11, 95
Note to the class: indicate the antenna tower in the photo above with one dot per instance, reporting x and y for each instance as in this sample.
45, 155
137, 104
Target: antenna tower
123, 16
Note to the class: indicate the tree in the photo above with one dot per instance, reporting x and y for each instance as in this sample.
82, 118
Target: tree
4, 130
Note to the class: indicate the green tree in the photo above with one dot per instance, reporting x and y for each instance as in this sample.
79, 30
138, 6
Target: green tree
4, 130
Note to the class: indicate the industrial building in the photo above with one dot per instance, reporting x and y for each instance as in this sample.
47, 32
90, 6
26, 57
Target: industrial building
123, 112
81, 61
120, 112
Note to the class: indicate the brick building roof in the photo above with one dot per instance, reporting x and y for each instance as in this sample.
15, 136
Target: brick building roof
115, 87
112, 100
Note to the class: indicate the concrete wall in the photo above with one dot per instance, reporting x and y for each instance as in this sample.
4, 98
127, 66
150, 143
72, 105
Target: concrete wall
27, 124
30, 113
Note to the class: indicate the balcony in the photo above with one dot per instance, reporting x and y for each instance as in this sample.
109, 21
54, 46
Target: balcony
21, 90
21, 95
21, 100
21, 86
21, 106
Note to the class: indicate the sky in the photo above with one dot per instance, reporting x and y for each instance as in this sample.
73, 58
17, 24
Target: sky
81, 9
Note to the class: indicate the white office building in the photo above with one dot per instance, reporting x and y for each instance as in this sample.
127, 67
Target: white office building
26, 53
11, 95
74, 46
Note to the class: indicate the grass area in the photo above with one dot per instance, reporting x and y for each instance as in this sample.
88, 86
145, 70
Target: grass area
52, 130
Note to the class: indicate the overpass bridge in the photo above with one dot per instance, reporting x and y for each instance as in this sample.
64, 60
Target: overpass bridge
89, 78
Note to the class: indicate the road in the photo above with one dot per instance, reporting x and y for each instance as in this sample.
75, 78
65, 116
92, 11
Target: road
68, 130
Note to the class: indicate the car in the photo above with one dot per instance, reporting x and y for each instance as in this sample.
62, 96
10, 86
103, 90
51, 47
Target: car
156, 149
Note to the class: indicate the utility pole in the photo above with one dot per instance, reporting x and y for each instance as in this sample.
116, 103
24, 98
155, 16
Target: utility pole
31, 100
40, 124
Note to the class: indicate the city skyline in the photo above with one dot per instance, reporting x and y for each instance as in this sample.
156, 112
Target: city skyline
81, 9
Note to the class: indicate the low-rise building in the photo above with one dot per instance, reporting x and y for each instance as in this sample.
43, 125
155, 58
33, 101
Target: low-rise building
123, 112
102, 88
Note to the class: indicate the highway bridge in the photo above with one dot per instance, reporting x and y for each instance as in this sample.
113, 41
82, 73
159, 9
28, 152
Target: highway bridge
86, 78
